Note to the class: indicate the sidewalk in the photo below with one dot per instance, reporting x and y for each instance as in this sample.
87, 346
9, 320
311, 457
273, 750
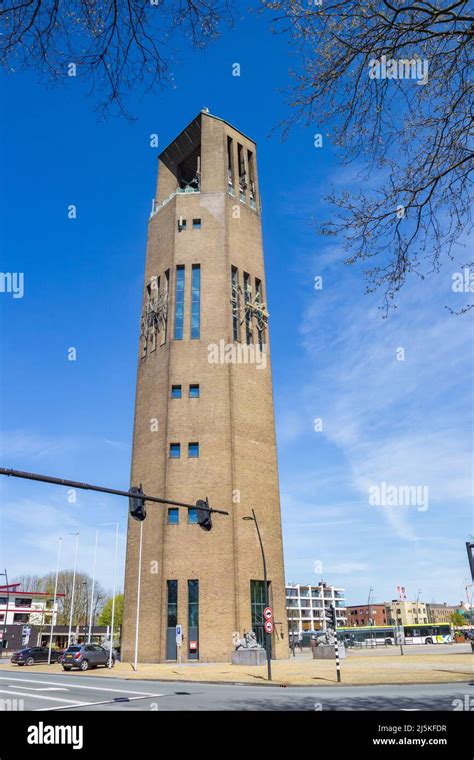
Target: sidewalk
301, 671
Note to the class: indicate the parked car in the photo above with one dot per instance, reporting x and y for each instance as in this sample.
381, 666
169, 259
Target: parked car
85, 656
31, 655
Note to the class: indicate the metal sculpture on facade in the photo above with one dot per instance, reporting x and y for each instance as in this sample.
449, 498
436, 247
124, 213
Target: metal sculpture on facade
154, 317
250, 311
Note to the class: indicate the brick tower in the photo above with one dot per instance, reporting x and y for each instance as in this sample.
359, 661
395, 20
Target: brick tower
204, 419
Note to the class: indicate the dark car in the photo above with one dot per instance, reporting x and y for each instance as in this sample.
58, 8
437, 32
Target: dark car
85, 656
31, 655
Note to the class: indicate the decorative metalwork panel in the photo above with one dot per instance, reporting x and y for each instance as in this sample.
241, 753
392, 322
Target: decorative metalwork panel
249, 310
154, 318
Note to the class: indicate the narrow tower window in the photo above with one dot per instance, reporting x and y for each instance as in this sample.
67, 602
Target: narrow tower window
250, 161
172, 603
194, 391
248, 313
230, 164
242, 177
235, 303
196, 301
175, 391
257, 605
179, 303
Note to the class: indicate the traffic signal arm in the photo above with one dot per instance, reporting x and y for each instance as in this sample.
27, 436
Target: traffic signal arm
131, 494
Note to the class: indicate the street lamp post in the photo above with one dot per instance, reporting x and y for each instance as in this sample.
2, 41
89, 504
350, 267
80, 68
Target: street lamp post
417, 608
137, 622
54, 603
86, 632
368, 606
114, 590
268, 640
73, 589
113, 597
93, 586
4, 637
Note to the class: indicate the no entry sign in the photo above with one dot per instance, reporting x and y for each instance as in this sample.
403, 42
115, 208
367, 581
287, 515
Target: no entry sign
268, 626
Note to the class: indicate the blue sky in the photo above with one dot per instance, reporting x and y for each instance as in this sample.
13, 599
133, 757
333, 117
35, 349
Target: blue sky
334, 356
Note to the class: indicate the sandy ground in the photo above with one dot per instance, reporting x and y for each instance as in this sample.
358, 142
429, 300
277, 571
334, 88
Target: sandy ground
357, 669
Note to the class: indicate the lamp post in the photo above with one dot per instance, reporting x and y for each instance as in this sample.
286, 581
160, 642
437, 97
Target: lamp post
267, 603
86, 632
137, 622
4, 637
417, 608
93, 586
73, 588
368, 606
54, 602
114, 591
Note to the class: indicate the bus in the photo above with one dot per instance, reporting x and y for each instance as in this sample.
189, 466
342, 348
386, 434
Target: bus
384, 635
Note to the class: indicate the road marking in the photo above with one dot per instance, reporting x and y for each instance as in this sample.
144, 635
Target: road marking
73, 685
88, 704
42, 696
47, 688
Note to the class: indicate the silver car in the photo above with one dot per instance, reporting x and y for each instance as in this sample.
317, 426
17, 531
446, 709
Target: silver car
85, 656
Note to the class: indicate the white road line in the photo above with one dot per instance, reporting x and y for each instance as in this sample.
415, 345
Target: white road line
42, 696
88, 704
41, 688
72, 685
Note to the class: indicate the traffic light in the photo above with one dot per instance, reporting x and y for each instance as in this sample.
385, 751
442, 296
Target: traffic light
136, 504
204, 516
330, 615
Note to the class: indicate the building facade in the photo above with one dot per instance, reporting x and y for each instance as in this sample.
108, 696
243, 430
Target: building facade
26, 607
441, 613
403, 612
204, 419
376, 614
306, 605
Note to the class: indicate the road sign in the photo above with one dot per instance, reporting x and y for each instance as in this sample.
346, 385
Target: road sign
268, 613
268, 626
179, 635
193, 645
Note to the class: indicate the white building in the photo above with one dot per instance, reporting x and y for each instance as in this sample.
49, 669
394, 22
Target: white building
26, 607
306, 605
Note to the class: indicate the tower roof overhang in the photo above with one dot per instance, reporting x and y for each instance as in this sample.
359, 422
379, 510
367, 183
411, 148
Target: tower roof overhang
189, 139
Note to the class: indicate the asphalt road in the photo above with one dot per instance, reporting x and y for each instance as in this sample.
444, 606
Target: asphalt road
74, 692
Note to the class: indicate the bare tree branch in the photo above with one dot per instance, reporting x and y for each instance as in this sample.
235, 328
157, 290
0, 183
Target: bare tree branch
117, 46
409, 137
